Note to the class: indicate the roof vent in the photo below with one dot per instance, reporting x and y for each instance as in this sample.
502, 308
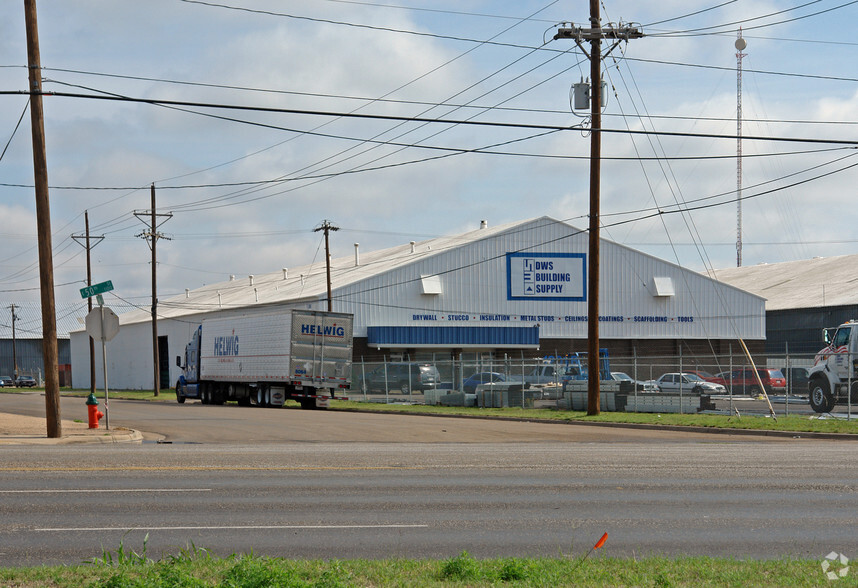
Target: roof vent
357, 254
285, 272
219, 305
231, 277
412, 246
256, 293
187, 292
484, 224
251, 279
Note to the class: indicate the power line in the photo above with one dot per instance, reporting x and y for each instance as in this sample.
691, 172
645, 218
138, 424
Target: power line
496, 124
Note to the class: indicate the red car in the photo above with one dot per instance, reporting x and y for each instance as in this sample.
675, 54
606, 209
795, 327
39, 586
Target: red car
744, 381
705, 376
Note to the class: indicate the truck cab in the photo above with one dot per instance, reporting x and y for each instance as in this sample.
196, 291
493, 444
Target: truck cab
835, 369
188, 384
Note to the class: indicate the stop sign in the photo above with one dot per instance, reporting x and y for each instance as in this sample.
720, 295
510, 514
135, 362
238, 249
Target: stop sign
94, 324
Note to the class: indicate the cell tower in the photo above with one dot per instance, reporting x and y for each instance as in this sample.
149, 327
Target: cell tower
740, 46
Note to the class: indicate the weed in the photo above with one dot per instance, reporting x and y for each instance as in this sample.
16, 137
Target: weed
462, 567
124, 558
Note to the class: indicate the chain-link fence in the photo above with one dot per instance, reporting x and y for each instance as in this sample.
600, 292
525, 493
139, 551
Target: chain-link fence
720, 384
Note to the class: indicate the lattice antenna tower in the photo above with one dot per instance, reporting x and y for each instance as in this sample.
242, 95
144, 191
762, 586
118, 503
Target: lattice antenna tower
740, 46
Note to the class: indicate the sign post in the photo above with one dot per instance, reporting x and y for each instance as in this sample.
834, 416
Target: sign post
101, 323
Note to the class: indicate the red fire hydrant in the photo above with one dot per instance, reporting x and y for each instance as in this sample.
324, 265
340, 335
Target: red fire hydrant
94, 414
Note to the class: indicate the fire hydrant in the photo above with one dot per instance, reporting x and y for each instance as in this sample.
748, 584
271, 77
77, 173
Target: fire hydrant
94, 414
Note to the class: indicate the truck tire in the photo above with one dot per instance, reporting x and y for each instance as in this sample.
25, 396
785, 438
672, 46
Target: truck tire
821, 399
180, 398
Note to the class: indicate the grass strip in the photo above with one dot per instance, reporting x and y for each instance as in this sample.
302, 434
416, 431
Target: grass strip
793, 423
198, 568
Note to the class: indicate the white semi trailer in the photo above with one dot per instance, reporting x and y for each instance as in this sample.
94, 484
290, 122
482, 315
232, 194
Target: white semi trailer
268, 358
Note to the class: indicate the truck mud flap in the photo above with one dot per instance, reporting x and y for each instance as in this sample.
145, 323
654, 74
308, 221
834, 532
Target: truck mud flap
277, 396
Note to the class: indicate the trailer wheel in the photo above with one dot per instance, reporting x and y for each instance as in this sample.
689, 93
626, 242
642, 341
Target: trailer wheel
204, 394
308, 403
821, 399
260, 397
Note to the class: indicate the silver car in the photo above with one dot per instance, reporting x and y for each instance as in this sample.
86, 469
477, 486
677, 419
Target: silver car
691, 383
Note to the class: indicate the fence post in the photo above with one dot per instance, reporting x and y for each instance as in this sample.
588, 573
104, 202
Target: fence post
635, 370
789, 379
363, 384
680, 378
730, 379
849, 387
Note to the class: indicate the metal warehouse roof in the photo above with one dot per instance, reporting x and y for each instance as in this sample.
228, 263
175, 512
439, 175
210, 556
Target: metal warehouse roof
807, 283
309, 282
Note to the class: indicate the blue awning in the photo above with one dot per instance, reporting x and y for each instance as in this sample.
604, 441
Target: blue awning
455, 337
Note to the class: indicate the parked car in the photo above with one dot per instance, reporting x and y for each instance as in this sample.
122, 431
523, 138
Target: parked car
621, 377
703, 375
25, 382
6, 381
687, 382
642, 385
403, 376
470, 384
743, 381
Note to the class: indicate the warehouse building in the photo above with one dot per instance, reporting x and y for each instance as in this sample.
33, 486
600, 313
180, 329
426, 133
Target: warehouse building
802, 298
517, 290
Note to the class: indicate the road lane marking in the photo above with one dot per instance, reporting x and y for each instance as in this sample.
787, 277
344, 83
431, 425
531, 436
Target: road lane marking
227, 528
94, 490
206, 468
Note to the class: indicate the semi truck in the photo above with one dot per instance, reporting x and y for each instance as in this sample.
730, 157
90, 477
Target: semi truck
264, 359
835, 369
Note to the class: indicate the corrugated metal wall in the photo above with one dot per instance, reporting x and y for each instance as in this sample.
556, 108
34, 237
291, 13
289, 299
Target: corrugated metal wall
474, 285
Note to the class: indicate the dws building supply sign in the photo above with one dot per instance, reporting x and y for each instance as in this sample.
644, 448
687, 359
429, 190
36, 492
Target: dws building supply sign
546, 276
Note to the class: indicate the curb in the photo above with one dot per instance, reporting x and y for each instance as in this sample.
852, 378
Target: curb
116, 436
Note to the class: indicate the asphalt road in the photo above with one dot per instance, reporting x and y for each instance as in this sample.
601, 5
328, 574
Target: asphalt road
321, 490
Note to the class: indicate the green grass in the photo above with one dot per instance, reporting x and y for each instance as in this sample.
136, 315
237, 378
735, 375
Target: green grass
195, 567
795, 424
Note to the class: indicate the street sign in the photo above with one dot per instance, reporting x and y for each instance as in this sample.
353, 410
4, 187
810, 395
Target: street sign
101, 288
94, 324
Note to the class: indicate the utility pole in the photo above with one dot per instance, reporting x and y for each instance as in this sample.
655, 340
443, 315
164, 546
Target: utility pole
14, 344
595, 34
327, 226
86, 238
152, 235
50, 355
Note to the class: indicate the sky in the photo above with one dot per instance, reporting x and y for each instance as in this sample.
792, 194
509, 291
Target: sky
258, 120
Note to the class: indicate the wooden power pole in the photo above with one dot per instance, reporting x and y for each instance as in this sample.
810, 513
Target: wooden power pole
152, 235
594, 35
327, 227
43, 225
86, 238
